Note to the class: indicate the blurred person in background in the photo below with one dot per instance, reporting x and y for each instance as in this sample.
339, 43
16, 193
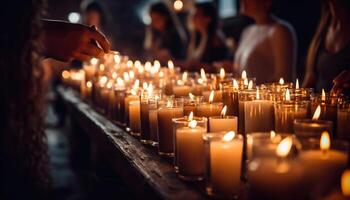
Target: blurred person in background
165, 37
329, 52
267, 50
207, 41
24, 162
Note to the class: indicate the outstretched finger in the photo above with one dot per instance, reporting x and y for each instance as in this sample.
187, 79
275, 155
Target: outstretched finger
100, 38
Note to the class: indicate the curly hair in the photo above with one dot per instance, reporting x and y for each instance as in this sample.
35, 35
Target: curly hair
23, 147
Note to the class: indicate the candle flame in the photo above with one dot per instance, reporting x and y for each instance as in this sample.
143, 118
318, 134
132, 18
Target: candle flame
345, 183
281, 81
222, 73
131, 74
190, 116
89, 84
114, 75
317, 113
235, 84
109, 84
102, 67
325, 141
133, 92
203, 76
126, 76
161, 74
284, 147
103, 80
156, 64
257, 93
129, 64
191, 96
272, 134
120, 82
245, 82
229, 136
297, 84
211, 96
150, 89
93, 61
145, 85
148, 66
171, 65
192, 124
244, 74
137, 64
250, 85
223, 111
200, 81
117, 58
136, 84
184, 77
169, 104
323, 95
287, 95
65, 74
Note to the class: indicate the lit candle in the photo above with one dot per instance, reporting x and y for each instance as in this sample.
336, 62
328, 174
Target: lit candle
208, 109
225, 157
286, 112
118, 105
132, 96
189, 154
277, 176
222, 123
307, 128
324, 165
166, 111
134, 117
258, 114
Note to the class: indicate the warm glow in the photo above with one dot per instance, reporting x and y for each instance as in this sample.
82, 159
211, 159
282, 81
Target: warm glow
281, 81
272, 134
244, 74
133, 92
88, 84
211, 96
144, 85
103, 80
117, 58
109, 84
325, 141
235, 84
65, 74
148, 66
323, 95
150, 89
250, 85
229, 136
136, 84
287, 95
137, 64
222, 73
223, 111
191, 96
317, 113
297, 84
93, 61
284, 147
102, 67
129, 64
203, 76
178, 5
120, 82
170, 65
114, 75
345, 183
257, 93
192, 124
190, 116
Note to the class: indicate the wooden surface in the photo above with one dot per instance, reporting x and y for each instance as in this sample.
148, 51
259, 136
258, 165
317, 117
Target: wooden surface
139, 166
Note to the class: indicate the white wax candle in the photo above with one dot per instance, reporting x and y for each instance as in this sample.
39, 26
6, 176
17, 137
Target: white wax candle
128, 99
258, 116
225, 165
190, 151
135, 117
222, 124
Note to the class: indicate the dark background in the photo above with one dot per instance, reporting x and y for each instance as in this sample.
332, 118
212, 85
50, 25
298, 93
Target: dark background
126, 28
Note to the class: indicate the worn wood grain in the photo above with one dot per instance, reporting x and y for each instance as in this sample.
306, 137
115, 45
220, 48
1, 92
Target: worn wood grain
139, 166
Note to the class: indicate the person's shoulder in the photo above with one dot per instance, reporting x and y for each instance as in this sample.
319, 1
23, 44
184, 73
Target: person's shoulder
282, 28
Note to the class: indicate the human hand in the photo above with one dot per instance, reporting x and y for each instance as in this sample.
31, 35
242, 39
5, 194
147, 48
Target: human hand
65, 41
341, 82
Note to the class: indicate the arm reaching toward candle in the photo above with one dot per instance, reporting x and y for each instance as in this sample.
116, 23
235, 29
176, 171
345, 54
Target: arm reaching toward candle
342, 81
65, 41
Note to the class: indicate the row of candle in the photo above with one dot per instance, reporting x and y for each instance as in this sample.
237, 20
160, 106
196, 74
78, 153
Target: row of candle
157, 118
